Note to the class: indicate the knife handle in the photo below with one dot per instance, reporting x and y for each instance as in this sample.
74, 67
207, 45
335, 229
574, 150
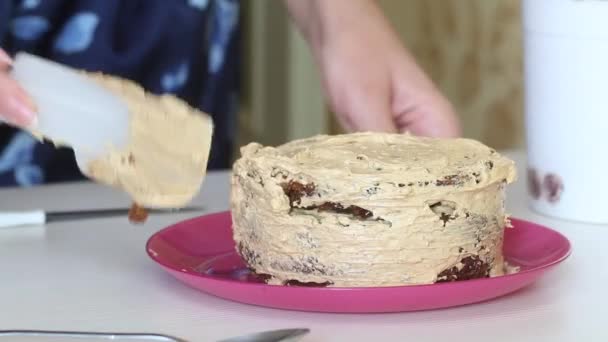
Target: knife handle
21, 218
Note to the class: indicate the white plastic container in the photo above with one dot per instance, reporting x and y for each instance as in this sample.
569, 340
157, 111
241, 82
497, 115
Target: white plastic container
72, 109
566, 107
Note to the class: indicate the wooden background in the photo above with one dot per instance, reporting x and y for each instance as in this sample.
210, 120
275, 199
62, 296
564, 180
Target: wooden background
471, 48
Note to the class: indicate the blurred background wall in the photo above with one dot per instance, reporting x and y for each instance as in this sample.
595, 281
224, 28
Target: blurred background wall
471, 49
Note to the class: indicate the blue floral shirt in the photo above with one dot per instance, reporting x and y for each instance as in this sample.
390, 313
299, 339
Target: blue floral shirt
185, 47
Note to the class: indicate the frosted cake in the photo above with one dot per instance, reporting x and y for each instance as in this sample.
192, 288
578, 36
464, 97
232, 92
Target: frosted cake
370, 209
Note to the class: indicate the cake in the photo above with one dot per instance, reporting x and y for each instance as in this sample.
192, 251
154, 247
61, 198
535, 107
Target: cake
370, 209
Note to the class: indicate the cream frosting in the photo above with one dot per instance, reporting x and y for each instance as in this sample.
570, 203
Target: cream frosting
165, 160
433, 203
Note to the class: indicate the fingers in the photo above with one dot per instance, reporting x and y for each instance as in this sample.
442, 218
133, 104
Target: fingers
5, 60
429, 116
418, 105
15, 106
368, 109
420, 108
448, 122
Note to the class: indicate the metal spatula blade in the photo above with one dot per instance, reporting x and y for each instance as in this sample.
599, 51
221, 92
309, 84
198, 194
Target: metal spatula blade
284, 335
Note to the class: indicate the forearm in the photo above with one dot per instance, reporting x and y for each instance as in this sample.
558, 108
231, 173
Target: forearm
322, 20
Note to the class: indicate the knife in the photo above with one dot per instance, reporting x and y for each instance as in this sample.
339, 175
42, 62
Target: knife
40, 217
284, 335
48, 335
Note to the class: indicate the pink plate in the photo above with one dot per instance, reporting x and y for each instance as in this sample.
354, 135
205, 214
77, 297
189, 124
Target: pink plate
200, 252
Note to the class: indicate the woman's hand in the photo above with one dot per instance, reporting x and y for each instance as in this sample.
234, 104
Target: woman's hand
371, 81
15, 105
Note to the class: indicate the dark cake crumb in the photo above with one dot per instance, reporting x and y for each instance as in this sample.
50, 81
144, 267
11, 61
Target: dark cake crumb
278, 172
255, 176
260, 277
306, 284
445, 218
353, 210
137, 214
296, 190
309, 265
473, 268
477, 177
372, 191
445, 210
250, 256
264, 278
452, 180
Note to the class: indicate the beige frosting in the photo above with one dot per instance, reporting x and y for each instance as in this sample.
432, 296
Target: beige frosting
165, 160
408, 183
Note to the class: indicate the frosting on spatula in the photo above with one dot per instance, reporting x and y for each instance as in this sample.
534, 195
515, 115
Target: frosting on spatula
165, 159
153, 147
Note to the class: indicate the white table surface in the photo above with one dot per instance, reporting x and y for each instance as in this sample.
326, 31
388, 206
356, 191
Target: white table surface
95, 275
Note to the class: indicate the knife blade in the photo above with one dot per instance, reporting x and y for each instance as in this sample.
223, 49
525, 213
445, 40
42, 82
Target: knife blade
39, 217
